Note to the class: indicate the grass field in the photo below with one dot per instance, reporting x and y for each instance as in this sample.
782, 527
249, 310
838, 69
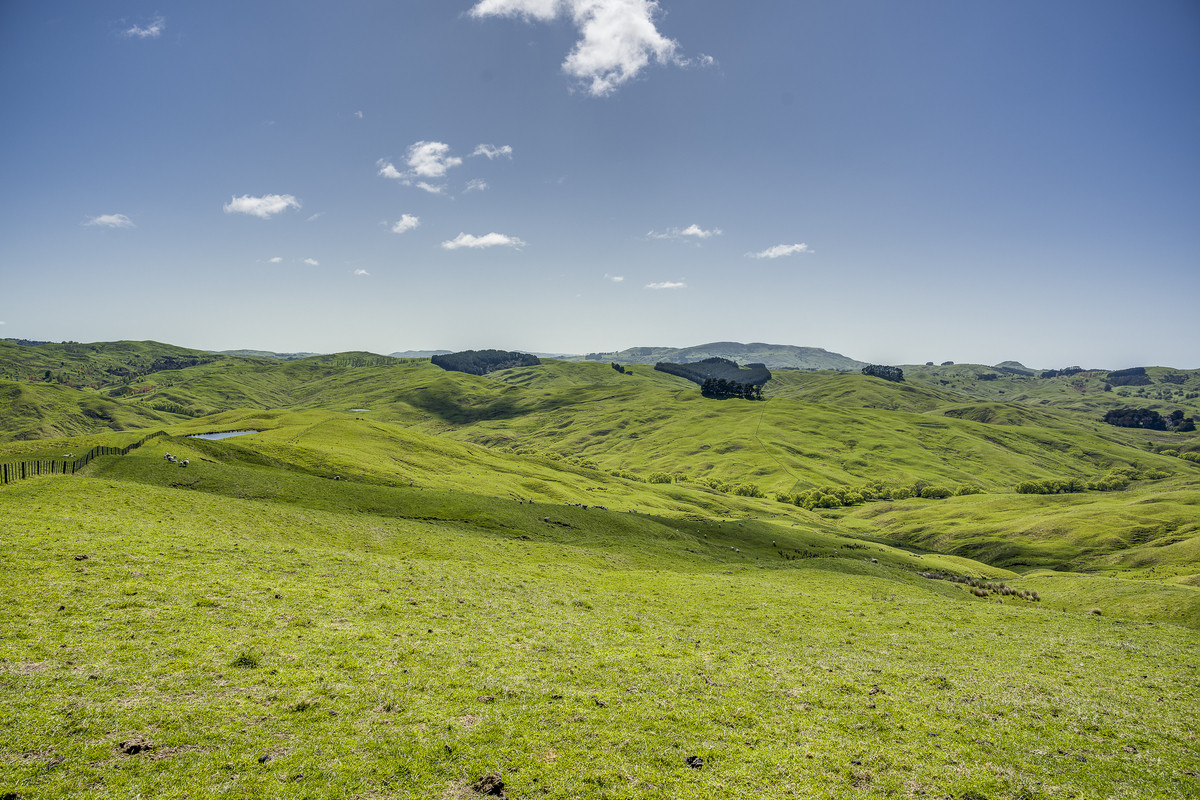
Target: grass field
263, 648
410, 579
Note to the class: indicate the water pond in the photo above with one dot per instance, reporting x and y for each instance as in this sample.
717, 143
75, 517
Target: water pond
222, 435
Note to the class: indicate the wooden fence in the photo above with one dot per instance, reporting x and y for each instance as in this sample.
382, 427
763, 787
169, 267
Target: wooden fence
20, 470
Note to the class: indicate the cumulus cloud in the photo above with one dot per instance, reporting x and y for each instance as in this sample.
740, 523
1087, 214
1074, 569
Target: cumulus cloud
361, 272
431, 159
667, 285
614, 278
111, 221
617, 37
263, 207
487, 240
388, 170
275, 260
694, 232
151, 30
781, 250
491, 151
475, 186
425, 160
312, 262
407, 223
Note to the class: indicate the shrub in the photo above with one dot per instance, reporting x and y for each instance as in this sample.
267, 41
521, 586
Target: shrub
965, 489
658, 477
747, 490
936, 493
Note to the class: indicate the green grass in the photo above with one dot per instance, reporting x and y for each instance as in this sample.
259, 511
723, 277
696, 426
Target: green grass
262, 648
473, 575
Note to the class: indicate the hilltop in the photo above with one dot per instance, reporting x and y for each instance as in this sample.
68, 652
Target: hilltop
774, 356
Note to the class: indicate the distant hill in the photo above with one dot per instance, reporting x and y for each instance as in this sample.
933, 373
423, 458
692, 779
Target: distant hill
774, 356
263, 354
420, 353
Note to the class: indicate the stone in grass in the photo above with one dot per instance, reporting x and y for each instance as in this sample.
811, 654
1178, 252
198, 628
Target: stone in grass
490, 785
695, 762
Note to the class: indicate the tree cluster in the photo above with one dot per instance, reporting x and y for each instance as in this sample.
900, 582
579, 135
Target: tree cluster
481, 362
618, 368
894, 374
721, 389
839, 496
1065, 372
1134, 376
717, 368
1146, 418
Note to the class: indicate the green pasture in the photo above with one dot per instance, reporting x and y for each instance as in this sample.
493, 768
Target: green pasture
583, 581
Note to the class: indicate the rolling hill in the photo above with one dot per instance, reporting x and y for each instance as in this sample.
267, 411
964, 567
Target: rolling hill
586, 582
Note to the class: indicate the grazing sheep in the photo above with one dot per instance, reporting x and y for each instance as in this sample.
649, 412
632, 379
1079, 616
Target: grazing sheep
183, 463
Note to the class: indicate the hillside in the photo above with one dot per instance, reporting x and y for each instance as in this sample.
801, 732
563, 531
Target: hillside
774, 356
582, 580
419, 624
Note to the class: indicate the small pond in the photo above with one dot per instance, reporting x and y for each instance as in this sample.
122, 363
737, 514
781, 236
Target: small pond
222, 435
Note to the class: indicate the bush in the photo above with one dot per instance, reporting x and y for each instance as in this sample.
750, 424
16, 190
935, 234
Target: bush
965, 489
658, 477
936, 493
747, 490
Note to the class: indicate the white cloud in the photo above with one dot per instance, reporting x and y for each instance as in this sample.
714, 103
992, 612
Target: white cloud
780, 250
667, 285
690, 232
312, 262
315, 216
614, 278
431, 188
475, 186
151, 31
361, 272
263, 207
431, 159
388, 170
407, 223
111, 221
491, 151
275, 260
487, 240
358, 114
618, 37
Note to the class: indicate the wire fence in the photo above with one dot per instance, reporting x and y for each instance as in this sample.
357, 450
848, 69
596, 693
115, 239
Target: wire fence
20, 470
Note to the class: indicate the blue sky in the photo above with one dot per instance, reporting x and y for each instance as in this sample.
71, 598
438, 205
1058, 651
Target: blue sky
897, 181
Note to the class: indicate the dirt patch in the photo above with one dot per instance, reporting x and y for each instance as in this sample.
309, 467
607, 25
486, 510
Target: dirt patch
135, 745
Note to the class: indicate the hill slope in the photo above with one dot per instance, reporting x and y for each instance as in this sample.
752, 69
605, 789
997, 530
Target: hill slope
775, 356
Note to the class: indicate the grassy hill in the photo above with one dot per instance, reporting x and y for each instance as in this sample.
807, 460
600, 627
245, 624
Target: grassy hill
409, 579
781, 356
